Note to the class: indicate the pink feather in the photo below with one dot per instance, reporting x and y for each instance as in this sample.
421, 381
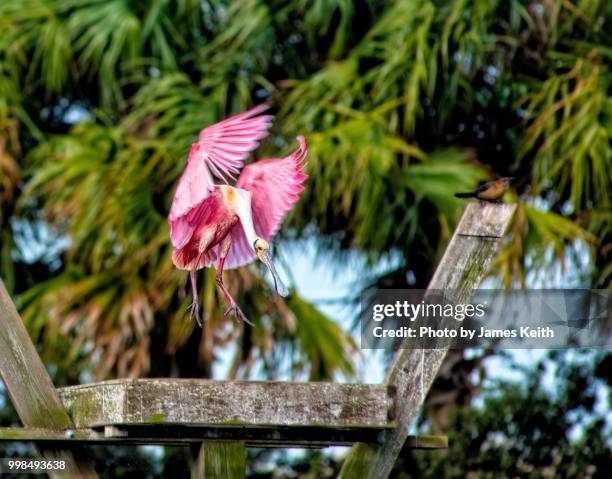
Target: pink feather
275, 185
221, 151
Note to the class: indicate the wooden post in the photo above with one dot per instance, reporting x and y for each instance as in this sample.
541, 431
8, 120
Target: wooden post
29, 385
220, 460
464, 264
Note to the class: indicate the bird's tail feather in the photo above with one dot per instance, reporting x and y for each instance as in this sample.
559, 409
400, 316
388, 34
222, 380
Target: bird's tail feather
465, 195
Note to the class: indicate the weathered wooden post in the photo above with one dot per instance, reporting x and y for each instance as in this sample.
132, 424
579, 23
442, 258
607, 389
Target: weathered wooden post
464, 264
30, 387
222, 459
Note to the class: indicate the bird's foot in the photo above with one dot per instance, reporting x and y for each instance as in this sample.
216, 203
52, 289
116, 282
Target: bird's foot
235, 311
194, 310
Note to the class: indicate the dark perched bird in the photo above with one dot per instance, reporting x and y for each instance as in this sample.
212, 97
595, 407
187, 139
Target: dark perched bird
489, 191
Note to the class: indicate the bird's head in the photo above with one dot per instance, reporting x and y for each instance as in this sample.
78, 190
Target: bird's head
261, 247
262, 250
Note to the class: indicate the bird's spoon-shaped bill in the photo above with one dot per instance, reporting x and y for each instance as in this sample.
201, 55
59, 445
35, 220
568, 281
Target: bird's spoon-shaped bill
281, 289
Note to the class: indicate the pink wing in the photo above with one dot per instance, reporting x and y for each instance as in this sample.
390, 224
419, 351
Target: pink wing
204, 214
220, 151
275, 185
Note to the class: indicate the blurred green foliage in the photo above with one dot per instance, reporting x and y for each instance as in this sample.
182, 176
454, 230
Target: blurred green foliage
553, 423
404, 102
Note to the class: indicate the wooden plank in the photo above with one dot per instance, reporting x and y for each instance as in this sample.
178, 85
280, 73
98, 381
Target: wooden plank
26, 379
29, 385
426, 441
257, 436
37, 434
185, 435
220, 459
228, 403
485, 220
462, 268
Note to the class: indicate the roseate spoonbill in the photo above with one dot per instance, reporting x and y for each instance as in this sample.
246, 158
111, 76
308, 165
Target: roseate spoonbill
229, 226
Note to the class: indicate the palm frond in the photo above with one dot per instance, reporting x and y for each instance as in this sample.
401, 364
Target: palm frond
568, 128
35, 29
538, 240
321, 343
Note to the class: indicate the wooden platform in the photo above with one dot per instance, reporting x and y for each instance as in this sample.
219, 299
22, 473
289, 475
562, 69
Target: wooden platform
259, 412
227, 403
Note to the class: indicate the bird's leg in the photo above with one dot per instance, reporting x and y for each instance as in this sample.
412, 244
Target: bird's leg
195, 307
233, 308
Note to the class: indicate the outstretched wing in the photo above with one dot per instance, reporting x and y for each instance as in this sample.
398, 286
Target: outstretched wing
220, 151
275, 186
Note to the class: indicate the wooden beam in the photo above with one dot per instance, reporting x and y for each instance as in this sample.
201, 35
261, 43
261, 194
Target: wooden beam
29, 385
462, 268
175, 434
24, 375
220, 459
37, 434
246, 404
426, 441
184, 435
